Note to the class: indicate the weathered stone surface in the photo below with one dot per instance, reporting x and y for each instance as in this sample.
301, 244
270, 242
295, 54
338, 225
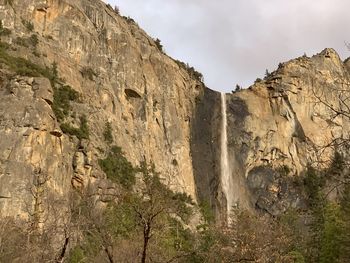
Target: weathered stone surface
280, 122
157, 111
30, 154
144, 94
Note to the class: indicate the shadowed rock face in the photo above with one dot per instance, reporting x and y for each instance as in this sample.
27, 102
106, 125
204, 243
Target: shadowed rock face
157, 110
205, 148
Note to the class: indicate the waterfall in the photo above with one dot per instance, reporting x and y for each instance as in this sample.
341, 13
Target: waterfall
224, 162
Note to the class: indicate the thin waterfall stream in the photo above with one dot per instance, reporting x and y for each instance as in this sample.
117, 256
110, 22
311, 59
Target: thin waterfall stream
224, 162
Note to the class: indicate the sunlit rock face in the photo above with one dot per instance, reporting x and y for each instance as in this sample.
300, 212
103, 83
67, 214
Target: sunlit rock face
275, 128
146, 96
158, 112
280, 125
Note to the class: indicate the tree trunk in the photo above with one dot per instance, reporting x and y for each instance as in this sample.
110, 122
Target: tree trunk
146, 237
63, 251
109, 255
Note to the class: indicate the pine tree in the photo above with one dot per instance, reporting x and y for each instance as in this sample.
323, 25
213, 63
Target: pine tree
313, 185
345, 224
330, 232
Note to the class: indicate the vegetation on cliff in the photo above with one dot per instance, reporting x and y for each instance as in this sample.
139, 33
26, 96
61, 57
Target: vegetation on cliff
63, 94
117, 168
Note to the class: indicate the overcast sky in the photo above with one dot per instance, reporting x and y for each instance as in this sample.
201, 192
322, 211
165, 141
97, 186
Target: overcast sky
234, 41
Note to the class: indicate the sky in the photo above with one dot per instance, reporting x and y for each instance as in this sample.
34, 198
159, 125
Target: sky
234, 41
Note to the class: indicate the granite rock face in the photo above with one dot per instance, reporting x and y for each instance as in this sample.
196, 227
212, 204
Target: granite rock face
158, 110
281, 124
122, 78
33, 157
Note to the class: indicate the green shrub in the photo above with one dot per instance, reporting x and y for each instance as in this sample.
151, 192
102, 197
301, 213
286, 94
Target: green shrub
53, 72
331, 231
21, 41
183, 201
62, 97
81, 133
267, 74
33, 40
4, 47
129, 19
116, 10
84, 128
337, 165
177, 240
344, 237
158, 44
207, 212
121, 218
76, 255
67, 128
88, 73
283, 170
190, 70
313, 184
19, 65
27, 42
297, 257
117, 168
258, 80
36, 53
107, 134
183, 197
49, 37
28, 25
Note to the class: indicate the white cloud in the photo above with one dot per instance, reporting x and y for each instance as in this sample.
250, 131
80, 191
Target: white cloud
234, 41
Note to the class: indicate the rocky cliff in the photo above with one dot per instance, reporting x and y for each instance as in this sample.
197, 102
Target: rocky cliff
158, 109
280, 125
122, 78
